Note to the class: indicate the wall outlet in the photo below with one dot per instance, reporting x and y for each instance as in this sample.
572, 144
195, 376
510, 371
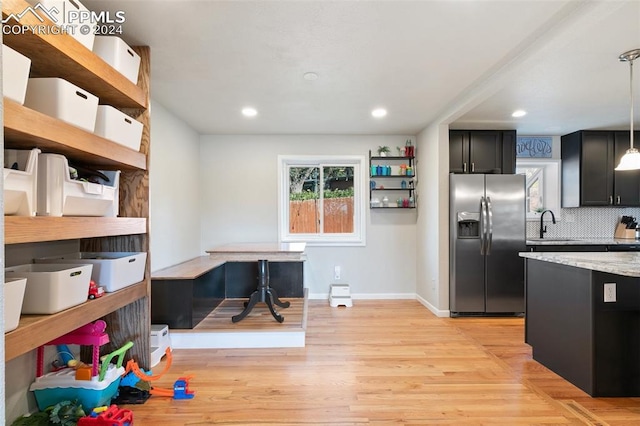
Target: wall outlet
609, 292
336, 272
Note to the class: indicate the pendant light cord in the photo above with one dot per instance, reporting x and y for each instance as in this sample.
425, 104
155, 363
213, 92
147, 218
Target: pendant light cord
631, 93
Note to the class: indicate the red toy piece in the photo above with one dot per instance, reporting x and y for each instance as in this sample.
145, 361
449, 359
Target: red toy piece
95, 290
112, 416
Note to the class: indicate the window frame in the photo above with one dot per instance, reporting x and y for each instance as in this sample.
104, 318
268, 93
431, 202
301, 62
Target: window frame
551, 180
358, 162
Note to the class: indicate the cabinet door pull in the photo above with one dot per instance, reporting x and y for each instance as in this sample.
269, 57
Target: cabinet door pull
464, 167
618, 199
610, 199
473, 167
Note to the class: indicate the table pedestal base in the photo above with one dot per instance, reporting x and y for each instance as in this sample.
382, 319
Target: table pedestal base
265, 294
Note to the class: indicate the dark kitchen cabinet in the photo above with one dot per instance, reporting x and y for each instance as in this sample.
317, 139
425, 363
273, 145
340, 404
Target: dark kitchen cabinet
589, 178
482, 151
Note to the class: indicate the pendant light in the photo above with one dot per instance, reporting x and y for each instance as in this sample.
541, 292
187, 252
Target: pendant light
631, 159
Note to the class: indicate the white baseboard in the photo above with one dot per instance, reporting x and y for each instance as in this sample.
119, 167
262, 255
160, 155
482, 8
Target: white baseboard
369, 296
442, 313
246, 339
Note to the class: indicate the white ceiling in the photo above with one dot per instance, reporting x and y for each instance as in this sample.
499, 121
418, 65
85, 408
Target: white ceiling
467, 62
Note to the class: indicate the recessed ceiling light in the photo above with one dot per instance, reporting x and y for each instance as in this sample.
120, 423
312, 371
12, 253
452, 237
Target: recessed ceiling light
249, 112
310, 76
379, 112
519, 113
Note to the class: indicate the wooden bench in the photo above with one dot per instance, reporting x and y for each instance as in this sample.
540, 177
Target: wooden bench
184, 294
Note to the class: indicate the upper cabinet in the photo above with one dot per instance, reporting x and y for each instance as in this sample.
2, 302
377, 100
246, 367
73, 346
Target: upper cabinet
482, 151
589, 178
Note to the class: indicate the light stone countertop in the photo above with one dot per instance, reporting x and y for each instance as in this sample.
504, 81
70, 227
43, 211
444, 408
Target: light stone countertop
247, 252
550, 241
620, 263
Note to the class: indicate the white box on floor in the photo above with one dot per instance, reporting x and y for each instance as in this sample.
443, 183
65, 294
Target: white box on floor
15, 74
111, 270
340, 295
60, 99
21, 184
118, 127
13, 297
73, 15
114, 51
59, 195
159, 342
52, 288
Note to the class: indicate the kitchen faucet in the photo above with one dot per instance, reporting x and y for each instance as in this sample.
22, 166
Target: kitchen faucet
543, 227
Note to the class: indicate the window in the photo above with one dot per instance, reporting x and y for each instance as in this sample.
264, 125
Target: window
321, 199
542, 185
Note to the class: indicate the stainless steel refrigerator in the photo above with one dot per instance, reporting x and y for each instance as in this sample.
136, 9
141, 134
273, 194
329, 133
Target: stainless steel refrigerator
487, 231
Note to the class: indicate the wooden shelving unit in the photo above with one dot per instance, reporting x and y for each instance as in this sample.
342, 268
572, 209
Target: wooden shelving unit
20, 229
36, 330
126, 311
56, 55
25, 128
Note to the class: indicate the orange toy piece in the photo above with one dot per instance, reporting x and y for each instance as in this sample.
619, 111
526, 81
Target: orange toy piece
132, 367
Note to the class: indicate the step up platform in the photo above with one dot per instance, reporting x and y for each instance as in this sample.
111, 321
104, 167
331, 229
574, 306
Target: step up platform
340, 295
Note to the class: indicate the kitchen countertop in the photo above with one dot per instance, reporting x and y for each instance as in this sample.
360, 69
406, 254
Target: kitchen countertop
550, 241
619, 263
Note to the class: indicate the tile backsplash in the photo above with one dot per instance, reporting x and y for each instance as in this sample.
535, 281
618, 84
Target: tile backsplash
582, 222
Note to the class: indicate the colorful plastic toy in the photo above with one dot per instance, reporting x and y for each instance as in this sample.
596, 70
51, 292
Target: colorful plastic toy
111, 416
95, 290
180, 387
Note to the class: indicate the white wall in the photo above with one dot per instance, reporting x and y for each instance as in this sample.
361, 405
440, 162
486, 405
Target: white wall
432, 287
174, 185
239, 203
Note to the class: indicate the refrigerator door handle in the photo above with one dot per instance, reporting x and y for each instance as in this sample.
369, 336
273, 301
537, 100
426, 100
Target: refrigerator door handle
490, 220
483, 226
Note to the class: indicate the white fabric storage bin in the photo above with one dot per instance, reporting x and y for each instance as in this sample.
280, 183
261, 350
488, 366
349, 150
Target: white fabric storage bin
68, 16
114, 51
15, 74
111, 270
20, 186
52, 288
118, 127
13, 297
59, 195
60, 99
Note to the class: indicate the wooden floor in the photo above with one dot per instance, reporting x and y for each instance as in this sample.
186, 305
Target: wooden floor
381, 362
259, 318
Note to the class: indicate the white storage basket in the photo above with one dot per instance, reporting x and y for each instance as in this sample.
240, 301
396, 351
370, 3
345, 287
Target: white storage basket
52, 288
20, 186
13, 297
15, 74
118, 127
69, 15
111, 270
114, 51
59, 195
60, 99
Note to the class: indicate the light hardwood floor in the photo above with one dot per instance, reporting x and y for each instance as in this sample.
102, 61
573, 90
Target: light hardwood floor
381, 362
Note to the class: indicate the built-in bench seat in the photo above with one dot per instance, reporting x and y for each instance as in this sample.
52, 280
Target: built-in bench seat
184, 294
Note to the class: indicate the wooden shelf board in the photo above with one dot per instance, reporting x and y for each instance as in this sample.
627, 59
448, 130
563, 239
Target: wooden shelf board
25, 128
60, 55
36, 330
22, 229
